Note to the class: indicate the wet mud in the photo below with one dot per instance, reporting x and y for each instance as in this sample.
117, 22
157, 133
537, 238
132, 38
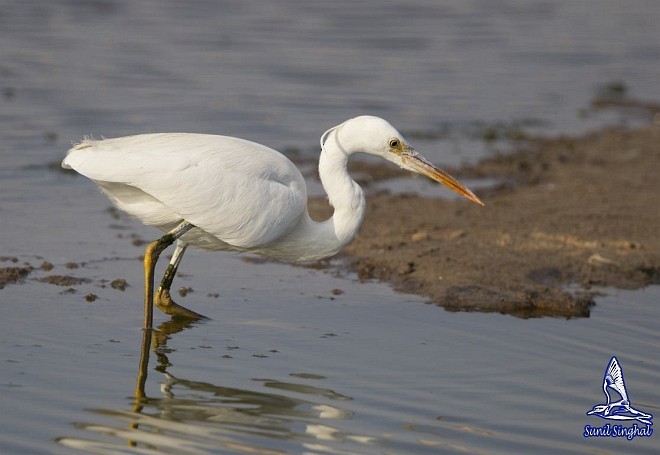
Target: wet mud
10, 275
63, 280
568, 213
19, 274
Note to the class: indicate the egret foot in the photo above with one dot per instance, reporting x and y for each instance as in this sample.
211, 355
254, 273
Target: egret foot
163, 300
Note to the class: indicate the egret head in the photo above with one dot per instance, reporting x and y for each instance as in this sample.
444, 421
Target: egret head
376, 136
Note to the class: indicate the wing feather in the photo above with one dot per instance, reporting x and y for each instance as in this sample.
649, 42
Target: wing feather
244, 194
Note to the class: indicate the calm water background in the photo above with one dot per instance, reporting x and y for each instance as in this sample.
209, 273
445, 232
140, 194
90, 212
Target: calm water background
285, 364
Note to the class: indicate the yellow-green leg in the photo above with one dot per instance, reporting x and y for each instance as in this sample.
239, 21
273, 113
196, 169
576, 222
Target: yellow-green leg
151, 254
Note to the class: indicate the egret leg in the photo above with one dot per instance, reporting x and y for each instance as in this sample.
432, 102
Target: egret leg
151, 255
163, 299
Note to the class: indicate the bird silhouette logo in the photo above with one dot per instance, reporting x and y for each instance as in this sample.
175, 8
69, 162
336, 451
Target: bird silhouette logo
618, 409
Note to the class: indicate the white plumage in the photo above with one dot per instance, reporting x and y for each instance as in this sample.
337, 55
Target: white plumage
243, 196
229, 188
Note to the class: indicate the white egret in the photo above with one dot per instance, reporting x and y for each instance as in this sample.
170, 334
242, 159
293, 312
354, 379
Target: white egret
225, 193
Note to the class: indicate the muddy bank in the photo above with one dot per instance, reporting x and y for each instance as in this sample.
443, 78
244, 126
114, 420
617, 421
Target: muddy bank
568, 211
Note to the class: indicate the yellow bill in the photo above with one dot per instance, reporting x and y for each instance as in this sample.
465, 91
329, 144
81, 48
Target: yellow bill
417, 163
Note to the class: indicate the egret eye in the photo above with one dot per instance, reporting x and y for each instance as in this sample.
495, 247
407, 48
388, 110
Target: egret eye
394, 143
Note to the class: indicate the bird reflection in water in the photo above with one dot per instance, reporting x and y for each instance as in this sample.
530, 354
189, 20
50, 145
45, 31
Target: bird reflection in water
200, 417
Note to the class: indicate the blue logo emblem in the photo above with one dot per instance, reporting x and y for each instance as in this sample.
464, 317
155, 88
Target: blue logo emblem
618, 408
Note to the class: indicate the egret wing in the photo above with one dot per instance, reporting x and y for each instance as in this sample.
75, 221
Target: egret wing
242, 193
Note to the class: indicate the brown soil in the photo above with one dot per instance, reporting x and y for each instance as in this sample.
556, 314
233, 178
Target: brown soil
119, 284
9, 275
568, 211
63, 280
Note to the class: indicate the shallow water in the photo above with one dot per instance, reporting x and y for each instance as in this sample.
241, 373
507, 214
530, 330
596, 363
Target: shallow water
295, 359
299, 368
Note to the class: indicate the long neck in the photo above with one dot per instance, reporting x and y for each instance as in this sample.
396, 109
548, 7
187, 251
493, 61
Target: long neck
313, 240
345, 196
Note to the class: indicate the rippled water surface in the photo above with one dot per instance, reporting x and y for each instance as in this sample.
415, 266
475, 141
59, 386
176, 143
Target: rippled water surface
295, 360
